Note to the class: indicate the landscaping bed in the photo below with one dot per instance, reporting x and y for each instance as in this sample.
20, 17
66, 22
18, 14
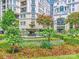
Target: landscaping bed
54, 51
41, 52
36, 48
33, 51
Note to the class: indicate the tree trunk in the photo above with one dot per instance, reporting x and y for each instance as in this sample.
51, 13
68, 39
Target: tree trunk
13, 48
49, 34
49, 37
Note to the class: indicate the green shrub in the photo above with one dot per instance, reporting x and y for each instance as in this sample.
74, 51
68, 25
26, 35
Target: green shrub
32, 44
2, 36
74, 31
4, 44
70, 40
46, 44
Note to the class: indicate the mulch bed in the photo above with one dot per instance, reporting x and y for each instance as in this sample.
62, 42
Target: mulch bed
55, 51
41, 52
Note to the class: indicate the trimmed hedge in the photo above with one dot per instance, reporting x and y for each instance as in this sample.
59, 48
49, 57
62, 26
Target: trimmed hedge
68, 39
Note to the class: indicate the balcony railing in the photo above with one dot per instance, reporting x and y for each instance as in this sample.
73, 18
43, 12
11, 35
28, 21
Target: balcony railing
23, 3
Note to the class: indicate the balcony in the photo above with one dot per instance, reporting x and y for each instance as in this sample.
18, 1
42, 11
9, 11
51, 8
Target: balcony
23, 9
3, 1
23, 3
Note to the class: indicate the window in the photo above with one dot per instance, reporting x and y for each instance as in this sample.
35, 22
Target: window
23, 9
23, 23
33, 9
61, 8
14, 2
33, 16
23, 15
73, 9
57, 3
10, 2
60, 21
73, 0
69, 1
4, 7
57, 9
41, 0
4, 1
69, 7
65, 8
73, 5
33, 1
33, 12
65, 1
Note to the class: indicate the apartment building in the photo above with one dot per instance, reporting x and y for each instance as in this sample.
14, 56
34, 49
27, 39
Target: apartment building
51, 6
61, 9
29, 11
26, 11
12, 4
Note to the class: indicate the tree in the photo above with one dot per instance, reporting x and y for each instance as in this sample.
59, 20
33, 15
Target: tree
44, 20
10, 25
8, 19
48, 33
73, 19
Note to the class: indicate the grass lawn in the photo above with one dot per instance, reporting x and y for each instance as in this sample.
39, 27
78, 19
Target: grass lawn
60, 57
76, 56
